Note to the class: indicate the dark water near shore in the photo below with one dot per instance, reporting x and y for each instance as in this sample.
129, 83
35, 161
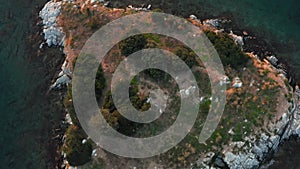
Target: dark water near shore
24, 108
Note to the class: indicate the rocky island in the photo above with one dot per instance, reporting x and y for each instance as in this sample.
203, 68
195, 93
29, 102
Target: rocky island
262, 108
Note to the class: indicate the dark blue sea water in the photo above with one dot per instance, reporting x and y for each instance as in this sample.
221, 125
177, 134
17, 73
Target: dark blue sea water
24, 109
24, 114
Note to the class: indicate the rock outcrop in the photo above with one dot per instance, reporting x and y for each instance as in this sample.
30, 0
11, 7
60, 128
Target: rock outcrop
251, 156
263, 148
52, 33
64, 77
237, 39
237, 83
212, 22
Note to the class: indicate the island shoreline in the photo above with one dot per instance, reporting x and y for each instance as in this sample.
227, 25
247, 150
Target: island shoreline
51, 59
292, 83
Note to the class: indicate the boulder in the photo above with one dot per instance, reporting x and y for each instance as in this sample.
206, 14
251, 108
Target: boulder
224, 80
241, 160
297, 91
63, 80
53, 34
273, 60
274, 142
106, 4
219, 162
212, 22
237, 83
68, 119
237, 39
95, 152
297, 131
193, 17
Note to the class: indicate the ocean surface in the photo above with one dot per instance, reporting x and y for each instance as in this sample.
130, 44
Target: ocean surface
24, 108
24, 112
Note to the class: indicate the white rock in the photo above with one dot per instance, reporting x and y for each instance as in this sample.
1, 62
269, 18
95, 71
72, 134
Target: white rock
65, 69
237, 83
273, 60
297, 91
106, 3
284, 118
148, 100
193, 17
61, 73
274, 140
224, 80
63, 80
229, 157
298, 131
41, 45
149, 6
52, 34
237, 39
239, 144
241, 160
68, 119
231, 132
186, 92
212, 22
258, 151
94, 153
